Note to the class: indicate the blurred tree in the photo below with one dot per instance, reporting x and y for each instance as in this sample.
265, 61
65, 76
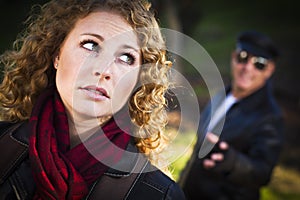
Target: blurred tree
180, 15
12, 15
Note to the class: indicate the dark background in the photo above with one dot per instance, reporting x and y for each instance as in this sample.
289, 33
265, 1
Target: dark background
215, 24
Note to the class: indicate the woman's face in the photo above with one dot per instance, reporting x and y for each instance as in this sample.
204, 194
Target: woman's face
98, 66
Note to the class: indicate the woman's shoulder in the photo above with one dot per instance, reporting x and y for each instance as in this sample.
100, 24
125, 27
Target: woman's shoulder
5, 125
144, 182
17, 130
154, 184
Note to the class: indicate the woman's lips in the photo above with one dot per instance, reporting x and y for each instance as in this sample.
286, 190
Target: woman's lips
96, 93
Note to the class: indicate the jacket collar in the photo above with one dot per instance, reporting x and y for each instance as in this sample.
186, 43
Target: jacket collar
257, 98
128, 161
22, 133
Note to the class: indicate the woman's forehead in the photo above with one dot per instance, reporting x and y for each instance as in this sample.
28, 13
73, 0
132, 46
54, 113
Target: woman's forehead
108, 26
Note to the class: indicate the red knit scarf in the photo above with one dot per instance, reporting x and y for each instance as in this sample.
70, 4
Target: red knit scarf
61, 172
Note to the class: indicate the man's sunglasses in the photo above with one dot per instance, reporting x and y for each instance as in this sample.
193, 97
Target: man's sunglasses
259, 62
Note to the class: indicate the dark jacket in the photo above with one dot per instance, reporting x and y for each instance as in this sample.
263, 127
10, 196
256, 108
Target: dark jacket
253, 128
16, 181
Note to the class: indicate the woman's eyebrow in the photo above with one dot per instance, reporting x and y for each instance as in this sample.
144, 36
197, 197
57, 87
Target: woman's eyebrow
95, 35
126, 46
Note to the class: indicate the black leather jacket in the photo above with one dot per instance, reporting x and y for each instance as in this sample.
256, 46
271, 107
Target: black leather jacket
253, 128
16, 181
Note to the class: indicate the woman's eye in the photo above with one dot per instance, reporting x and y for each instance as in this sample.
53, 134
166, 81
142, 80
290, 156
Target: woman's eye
127, 58
90, 45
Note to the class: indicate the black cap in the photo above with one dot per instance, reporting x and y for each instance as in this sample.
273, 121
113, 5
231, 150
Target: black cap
257, 44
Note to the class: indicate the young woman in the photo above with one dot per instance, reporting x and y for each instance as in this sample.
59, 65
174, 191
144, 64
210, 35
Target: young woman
82, 97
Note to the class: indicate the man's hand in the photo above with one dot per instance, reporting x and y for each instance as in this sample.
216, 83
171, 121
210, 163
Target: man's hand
217, 156
222, 157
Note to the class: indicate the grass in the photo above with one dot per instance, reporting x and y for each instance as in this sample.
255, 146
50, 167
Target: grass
284, 185
181, 142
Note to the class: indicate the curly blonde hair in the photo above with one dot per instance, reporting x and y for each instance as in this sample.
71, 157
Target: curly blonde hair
29, 67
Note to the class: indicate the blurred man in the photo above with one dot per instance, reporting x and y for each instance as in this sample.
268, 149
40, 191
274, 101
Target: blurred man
247, 142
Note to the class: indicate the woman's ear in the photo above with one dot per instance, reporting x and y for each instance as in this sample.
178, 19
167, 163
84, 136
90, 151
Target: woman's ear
56, 61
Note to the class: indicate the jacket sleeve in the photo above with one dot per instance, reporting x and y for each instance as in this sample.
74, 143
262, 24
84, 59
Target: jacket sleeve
254, 168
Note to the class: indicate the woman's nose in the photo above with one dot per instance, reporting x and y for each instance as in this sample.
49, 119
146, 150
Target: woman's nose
103, 69
103, 75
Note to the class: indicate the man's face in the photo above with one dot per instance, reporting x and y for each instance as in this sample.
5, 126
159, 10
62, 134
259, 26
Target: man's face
249, 73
